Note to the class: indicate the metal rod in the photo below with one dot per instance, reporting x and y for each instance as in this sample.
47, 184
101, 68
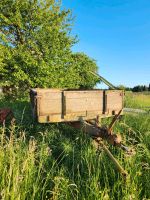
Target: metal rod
104, 80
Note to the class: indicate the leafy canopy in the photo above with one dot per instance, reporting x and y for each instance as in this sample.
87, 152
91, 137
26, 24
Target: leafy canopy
35, 46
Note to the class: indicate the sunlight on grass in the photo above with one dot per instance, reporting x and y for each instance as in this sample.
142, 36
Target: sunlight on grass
57, 162
137, 100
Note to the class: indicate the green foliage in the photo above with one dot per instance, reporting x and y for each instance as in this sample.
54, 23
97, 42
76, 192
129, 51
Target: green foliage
35, 45
121, 87
77, 72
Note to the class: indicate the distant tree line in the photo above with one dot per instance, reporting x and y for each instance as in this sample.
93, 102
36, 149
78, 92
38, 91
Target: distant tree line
141, 88
137, 88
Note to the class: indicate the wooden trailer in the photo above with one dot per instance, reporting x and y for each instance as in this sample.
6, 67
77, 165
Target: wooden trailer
60, 105
81, 109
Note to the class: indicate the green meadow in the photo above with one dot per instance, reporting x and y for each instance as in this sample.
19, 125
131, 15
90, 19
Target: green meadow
57, 162
139, 100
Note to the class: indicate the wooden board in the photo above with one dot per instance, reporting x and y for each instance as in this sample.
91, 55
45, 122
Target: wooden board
113, 101
80, 103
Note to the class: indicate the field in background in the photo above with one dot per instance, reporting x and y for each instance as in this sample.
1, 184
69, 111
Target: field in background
139, 100
56, 162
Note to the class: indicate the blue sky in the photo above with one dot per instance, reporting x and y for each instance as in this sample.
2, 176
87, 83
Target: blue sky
116, 33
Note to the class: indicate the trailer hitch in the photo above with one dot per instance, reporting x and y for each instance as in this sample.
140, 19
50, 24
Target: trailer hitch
99, 133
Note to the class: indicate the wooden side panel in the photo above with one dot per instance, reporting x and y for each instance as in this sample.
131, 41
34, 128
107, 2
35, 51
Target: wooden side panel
49, 102
83, 103
113, 101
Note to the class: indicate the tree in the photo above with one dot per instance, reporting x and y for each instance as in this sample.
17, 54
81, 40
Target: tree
79, 68
136, 88
145, 88
140, 88
121, 87
35, 44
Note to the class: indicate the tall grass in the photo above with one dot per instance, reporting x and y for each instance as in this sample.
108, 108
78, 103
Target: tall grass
57, 162
138, 100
